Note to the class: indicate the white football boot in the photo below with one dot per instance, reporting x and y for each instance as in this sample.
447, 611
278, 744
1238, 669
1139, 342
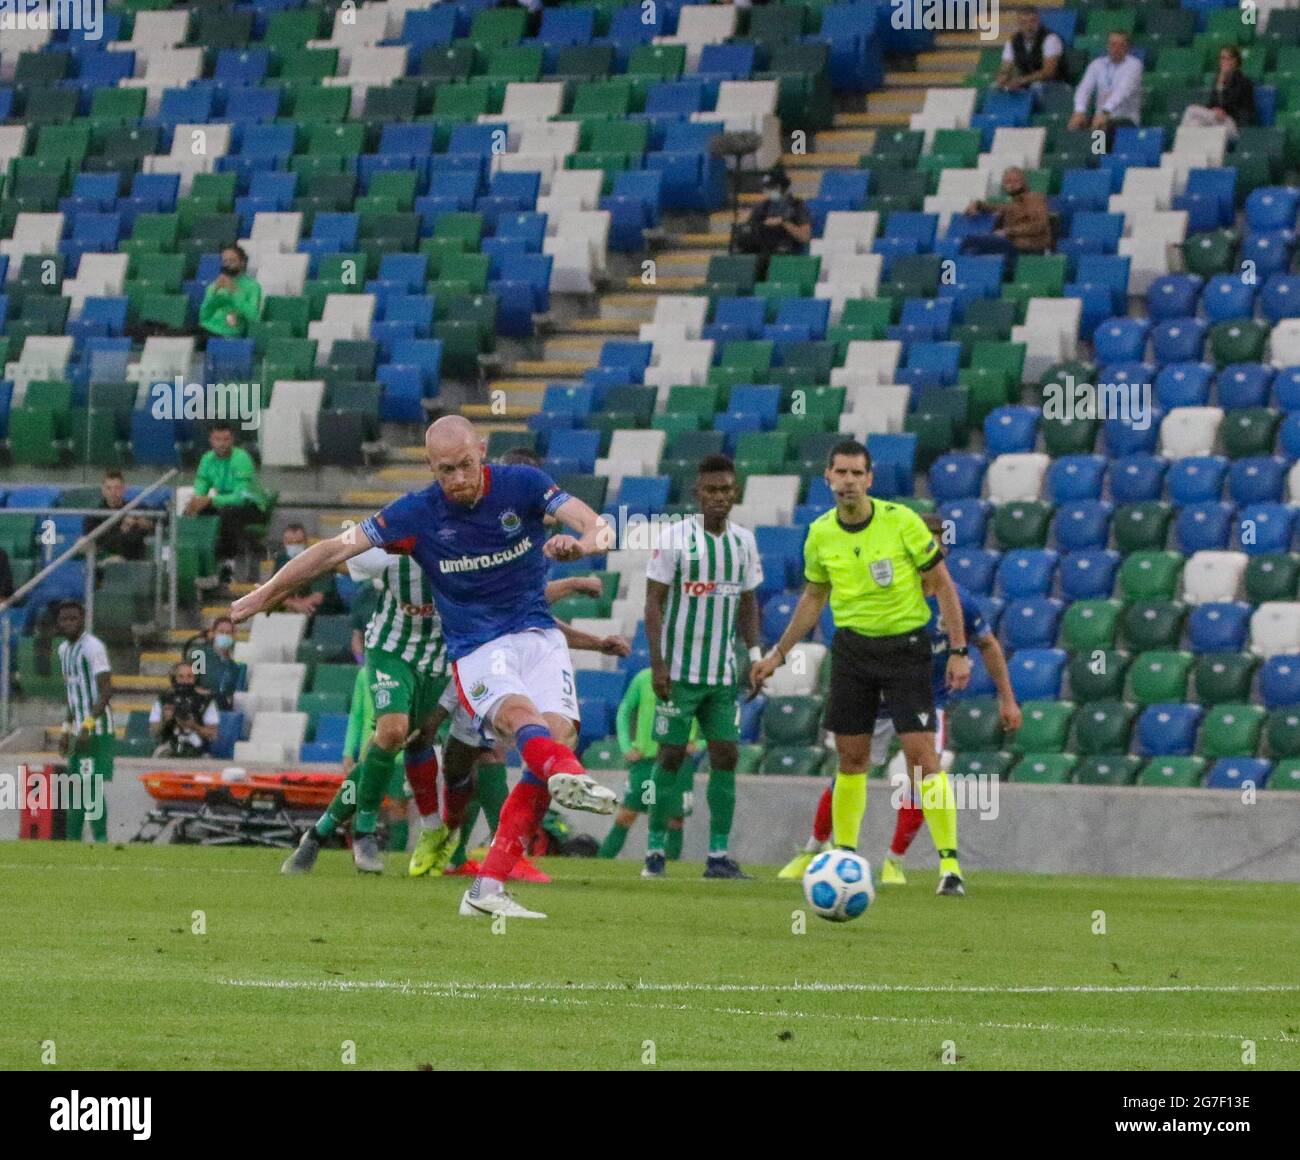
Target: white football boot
491, 905
579, 791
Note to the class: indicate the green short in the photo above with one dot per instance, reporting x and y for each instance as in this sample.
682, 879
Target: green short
714, 706
94, 756
397, 687
640, 788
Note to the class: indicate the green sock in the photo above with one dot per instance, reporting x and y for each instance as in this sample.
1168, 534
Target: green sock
722, 808
376, 770
461, 855
660, 809
613, 842
492, 791
399, 836
342, 806
673, 847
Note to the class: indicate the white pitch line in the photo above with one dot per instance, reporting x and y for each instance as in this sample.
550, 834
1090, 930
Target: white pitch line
101, 869
778, 988
532, 993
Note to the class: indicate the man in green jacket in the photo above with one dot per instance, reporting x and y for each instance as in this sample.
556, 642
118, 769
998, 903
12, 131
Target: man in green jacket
635, 724
233, 300
226, 486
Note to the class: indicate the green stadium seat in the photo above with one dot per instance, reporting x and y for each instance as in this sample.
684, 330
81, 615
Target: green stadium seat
795, 760
1097, 675
1152, 624
974, 724
1141, 527
1286, 774
1022, 524
1273, 576
1046, 727
1150, 575
1249, 432
1159, 676
1044, 769
1172, 772
1103, 727
1282, 732
1231, 730
1220, 678
1117, 769
993, 764
791, 721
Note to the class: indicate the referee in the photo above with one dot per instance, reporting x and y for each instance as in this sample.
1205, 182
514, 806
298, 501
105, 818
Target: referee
872, 560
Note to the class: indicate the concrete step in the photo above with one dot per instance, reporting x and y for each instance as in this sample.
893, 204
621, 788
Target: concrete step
412, 453
953, 60
710, 241
830, 159
608, 327
572, 346
664, 284
626, 307
521, 409
178, 636
878, 120
159, 663
895, 81
548, 368
854, 141
139, 684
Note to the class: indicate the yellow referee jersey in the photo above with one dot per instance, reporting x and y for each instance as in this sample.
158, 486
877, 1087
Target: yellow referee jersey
874, 571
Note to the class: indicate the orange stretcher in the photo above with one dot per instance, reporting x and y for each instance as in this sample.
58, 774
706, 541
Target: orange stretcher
255, 809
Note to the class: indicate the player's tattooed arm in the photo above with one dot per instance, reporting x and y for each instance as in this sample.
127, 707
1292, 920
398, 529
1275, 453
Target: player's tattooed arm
317, 560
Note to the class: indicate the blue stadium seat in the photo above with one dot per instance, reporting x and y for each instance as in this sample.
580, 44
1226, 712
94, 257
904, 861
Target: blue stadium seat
1259, 479
602, 684
1272, 207
574, 452
1203, 527
1234, 772
1279, 680
1173, 296
1178, 340
1026, 572
643, 494
968, 520
1137, 478
1082, 525
776, 615
1265, 528
736, 319
1288, 435
1242, 385
957, 475
1010, 429
1220, 626
1036, 673
1031, 624
1226, 296
1075, 477
973, 569
1280, 297
1196, 479
1088, 575
1125, 439
567, 398
1286, 389
1209, 198
1168, 730
229, 728
893, 460
1184, 384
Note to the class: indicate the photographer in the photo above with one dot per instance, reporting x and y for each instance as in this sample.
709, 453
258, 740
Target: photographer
184, 719
779, 224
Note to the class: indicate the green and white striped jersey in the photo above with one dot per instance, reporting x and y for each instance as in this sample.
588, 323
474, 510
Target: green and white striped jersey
82, 661
705, 575
406, 623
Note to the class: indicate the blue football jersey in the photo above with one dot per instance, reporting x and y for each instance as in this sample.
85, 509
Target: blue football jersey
976, 629
485, 562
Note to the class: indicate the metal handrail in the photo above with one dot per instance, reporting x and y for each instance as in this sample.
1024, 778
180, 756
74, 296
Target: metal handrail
86, 542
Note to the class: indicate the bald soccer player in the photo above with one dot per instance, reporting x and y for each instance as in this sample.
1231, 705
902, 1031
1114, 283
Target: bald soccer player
477, 532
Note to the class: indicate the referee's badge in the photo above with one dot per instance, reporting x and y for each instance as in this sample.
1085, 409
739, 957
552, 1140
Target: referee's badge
882, 572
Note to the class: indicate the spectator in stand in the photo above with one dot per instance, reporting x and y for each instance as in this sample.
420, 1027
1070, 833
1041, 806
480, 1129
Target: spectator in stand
1032, 57
779, 224
233, 300
318, 596
184, 719
126, 540
227, 487
1112, 88
211, 656
1232, 97
1022, 225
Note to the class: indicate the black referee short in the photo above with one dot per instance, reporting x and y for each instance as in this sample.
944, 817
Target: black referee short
868, 669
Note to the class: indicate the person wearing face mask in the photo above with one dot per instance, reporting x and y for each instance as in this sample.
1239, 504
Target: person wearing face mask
1231, 102
232, 301
779, 224
211, 655
1022, 225
318, 596
184, 719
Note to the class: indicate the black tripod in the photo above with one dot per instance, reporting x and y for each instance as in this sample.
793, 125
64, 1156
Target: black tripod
735, 147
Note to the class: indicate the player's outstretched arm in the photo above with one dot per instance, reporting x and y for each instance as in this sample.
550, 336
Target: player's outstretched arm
802, 621
594, 535
611, 646
302, 569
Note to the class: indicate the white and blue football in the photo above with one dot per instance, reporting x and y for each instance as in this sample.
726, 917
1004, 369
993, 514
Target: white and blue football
837, 885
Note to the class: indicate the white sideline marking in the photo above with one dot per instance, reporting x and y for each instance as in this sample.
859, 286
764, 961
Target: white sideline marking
532, 993
135, 867
769, 988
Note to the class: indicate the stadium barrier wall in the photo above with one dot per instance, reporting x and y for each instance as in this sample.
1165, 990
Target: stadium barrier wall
1036, 829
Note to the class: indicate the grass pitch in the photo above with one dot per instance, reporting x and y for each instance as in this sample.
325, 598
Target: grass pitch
188, 958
